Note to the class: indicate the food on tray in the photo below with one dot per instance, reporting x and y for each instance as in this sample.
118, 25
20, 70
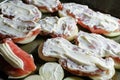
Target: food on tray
78, 61
59, 27
46, 5
101, 46
19, 31
73, 78
48, 71
94, 21
94, 56
45, 58
51, 71
33, 77
14, 61
17, 10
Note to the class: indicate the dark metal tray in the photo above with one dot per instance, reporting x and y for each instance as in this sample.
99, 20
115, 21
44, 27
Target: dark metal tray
106, 6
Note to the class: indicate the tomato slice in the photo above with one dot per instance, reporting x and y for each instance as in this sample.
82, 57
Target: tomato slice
94, 29
28, 61
117, 61
81, 70
46, 7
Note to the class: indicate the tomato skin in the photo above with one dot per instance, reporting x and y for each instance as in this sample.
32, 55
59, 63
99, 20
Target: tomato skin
55, 9
29, 65
79, 72
33, 33
116, 59
94, 29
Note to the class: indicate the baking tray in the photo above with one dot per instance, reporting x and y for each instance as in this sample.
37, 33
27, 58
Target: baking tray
106, 6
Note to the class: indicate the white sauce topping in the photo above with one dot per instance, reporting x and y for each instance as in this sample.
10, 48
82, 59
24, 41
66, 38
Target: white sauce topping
90, 17
48, 24
61, 48
16, 28
10, 56
20, 11
66, 26
46, 3
59, 26
98, 44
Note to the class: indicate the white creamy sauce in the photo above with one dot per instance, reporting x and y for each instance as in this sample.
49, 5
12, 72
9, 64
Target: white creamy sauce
66, 26
73, 65
98, 44
59, 26
61, 48
20, 11
10, 56
104, 75
48, 24
108, 75
16, 28
46, 3
90, 17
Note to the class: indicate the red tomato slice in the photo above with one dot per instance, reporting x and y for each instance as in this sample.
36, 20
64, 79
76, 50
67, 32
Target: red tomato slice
116, 59
44, 8
79, 72
94, 29
29, 65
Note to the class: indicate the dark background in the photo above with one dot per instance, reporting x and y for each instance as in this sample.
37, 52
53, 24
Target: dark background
106, 6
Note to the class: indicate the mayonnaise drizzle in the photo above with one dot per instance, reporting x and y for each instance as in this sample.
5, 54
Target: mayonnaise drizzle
59, 26
96, 43
50, 5
61, 48
90, 17
48, 24
16, 28
20, 11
